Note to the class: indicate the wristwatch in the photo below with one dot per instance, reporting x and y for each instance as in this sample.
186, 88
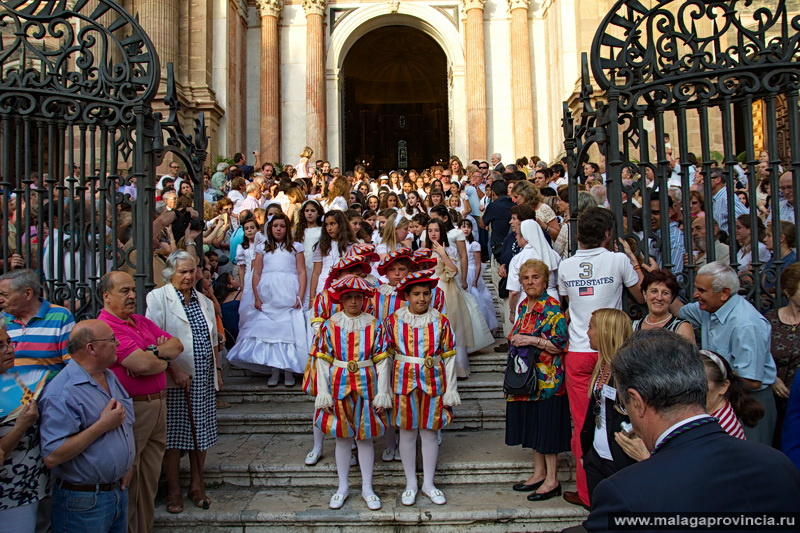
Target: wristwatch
153, 348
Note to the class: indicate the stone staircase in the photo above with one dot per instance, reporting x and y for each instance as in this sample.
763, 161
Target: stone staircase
258, 483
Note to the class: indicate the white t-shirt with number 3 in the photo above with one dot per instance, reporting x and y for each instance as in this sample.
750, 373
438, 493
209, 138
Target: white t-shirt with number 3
592, 279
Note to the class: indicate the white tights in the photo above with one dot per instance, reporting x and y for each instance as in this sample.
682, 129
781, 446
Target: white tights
408, 454
462, 361
318, 436
366, 460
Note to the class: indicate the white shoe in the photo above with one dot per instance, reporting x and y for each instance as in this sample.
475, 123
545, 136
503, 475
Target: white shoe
337, 501
397, 455
409, 497
353, 458
436, 496
313, 458
373, 502
388, 455
273, 380
439, 437
289, 380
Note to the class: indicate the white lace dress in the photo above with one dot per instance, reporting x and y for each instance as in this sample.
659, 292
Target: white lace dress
276, 336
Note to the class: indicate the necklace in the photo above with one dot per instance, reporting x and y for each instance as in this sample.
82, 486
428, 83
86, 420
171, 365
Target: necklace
795, 322
656, 323
602, 378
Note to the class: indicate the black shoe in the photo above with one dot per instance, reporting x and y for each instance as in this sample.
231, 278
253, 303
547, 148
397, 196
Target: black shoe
502, 348
522, 487
542, 496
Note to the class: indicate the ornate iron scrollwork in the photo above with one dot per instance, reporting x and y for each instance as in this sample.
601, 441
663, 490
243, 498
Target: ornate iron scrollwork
694, 65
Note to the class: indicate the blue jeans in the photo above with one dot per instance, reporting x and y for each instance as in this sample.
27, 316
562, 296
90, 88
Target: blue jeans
95, 512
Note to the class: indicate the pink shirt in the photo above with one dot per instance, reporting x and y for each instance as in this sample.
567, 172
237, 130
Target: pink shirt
132, 338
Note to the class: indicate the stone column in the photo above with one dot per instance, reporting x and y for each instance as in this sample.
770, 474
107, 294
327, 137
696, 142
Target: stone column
316, 123
159, 18
521, 82
270, 143
476, 81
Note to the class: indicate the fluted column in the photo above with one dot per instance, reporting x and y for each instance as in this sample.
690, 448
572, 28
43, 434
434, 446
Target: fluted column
521, 82
316, 124
270, 80
159, 18
476, 80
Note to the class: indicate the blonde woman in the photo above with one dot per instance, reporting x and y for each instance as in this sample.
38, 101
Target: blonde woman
394, 235
602, 455
303, 166
337, 195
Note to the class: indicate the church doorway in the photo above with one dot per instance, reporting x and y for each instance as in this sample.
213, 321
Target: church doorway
395, 101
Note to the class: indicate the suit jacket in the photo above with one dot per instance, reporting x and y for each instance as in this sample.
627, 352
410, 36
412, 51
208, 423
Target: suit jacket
702, 470
613, 420
500, 167
164, 307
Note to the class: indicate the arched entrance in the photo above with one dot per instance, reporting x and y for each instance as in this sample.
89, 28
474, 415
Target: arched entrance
395, 84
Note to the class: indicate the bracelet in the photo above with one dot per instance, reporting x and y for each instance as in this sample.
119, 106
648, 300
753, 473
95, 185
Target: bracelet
637, 267
189, 243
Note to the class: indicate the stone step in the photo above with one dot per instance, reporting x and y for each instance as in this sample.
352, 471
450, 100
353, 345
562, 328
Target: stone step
480, 385
482, 361
272, 460
295, 417
474, 508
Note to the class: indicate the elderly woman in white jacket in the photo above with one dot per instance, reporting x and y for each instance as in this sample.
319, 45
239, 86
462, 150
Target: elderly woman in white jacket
187, 314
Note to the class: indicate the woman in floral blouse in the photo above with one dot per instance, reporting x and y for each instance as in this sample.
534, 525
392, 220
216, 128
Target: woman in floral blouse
541, 421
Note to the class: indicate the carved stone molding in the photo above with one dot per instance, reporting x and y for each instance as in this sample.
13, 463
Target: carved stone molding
315, 7
473, 4
517, 4
270, 8
394, 5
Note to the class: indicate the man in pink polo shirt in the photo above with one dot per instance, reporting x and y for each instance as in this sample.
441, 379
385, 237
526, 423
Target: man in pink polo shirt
144, 355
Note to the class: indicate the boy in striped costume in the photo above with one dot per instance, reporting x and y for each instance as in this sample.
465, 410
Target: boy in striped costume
395, 266
420, 341
324, 308
350, 374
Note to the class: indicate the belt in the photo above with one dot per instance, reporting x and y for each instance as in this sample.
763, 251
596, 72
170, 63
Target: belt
428, 360
352, 366
148, 397
99, 487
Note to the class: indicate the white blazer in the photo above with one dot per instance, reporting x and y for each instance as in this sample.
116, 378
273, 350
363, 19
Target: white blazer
164, 307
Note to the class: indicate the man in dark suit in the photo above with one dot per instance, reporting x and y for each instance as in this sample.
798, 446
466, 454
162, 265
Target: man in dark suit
497, 162
695, 466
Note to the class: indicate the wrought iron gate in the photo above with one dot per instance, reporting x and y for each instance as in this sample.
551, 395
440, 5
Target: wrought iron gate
79, 145
699, 70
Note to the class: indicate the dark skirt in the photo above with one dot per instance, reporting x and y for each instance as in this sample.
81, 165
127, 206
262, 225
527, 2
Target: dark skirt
542, 425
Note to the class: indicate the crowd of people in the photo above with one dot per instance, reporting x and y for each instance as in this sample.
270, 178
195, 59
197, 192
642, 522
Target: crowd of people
370, 290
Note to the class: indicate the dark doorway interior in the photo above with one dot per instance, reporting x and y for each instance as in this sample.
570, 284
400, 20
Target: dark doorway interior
395, 101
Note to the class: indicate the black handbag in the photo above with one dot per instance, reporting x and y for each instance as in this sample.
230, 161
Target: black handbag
516, 383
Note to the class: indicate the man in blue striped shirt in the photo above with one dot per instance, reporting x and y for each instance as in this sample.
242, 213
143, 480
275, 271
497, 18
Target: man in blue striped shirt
719, 200
40, 329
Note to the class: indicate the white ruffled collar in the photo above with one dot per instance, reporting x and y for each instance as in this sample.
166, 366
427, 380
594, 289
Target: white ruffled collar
351, 324
386, 289
414, 320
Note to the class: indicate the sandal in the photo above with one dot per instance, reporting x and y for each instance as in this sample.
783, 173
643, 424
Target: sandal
199, 498
174, 503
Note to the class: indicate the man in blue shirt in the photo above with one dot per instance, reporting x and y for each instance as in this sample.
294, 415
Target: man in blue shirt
87, 435
732, 327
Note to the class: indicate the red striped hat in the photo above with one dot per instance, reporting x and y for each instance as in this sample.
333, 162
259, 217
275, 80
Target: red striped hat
424, 258
346, 263
347, 284
367, 250
420, 276
402, 253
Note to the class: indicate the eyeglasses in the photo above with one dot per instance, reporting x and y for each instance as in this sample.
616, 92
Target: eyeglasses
785, 188
176, 167
4, 346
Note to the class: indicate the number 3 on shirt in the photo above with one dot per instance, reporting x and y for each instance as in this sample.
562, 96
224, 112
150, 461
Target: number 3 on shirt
587, 270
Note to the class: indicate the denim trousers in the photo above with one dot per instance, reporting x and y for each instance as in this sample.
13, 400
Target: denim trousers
95, 512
